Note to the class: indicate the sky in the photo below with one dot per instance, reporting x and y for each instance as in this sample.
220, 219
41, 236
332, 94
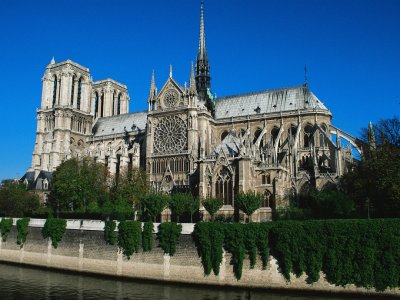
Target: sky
351, 49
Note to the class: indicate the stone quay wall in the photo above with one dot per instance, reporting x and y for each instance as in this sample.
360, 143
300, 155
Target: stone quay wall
83, 249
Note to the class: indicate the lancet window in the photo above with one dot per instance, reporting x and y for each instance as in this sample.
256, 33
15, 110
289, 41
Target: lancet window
308, 136
224, 186
96, 104
54, 90
119, 104
78, 100
72, 90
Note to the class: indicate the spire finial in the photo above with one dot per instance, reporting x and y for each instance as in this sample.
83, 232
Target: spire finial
52, 62
170, 71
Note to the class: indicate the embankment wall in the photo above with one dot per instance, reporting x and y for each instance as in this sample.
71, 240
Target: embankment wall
83, 249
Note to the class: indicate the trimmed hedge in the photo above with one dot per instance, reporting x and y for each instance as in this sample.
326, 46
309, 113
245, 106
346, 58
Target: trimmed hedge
147, 236
22, 230
129, 237
110, 235
168, 235
54, 228
5, 227
365, 253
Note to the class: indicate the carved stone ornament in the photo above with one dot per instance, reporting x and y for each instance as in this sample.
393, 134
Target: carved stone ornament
170, 135
171, 98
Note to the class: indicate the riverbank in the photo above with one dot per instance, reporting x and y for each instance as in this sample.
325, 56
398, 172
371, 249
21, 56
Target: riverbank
83, 249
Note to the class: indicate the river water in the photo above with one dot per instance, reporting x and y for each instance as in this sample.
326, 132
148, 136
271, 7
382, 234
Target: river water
30, 283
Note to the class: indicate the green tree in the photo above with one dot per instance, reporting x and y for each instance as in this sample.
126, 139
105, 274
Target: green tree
374, 183
177, 204
331, 203
126, 190
181, 203
16, 200
193, 206
78, 185
248, 202
152, 204
212, 205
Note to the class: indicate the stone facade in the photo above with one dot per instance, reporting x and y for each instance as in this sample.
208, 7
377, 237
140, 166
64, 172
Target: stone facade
277, 142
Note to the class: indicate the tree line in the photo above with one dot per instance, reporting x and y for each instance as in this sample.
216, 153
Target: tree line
370, 189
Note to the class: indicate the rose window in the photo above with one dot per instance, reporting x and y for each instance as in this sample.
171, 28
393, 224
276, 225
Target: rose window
170, 135
170, 99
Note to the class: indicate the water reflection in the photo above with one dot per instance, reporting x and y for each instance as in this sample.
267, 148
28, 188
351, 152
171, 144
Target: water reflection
28, 283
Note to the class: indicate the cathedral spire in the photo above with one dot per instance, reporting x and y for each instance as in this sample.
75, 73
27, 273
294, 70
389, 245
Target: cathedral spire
202, 65
192, 81
202, 53
153, 88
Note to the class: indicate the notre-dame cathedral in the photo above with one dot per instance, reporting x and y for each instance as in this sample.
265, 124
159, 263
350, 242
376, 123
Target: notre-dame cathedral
277, 142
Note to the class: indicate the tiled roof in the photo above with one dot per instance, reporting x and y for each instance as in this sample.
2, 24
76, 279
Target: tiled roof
119, 123
270, 101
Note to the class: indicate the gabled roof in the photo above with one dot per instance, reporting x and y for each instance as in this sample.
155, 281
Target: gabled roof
119, 123
37, 183
230, 145
269, 101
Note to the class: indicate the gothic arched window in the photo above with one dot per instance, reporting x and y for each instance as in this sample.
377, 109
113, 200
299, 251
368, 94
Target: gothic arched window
322, 139
119, 104
102, 105
113, 105
78, 100
72, 90
224, 135
54, 90
257, 135
308, 136
96, 104
292, 134
224, 187
274, 134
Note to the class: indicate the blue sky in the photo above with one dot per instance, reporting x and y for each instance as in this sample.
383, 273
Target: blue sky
351, 49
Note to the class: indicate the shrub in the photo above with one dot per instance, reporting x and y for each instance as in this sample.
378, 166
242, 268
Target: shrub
147, 236
129, 237
22, 230
5, 227
209, 239
109, 232
54, 229
168, 235
234, 243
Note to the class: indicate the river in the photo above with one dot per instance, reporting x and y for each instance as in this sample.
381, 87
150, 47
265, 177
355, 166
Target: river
30, 283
